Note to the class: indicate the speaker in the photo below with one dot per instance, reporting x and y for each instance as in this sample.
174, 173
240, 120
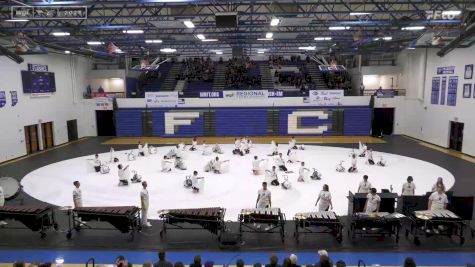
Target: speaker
226, 20
11, 55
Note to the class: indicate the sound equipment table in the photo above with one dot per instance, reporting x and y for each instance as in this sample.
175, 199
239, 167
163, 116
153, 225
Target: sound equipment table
376, 224
437, 222
35, 218
322, 222
268, 220
210, 219
126, 219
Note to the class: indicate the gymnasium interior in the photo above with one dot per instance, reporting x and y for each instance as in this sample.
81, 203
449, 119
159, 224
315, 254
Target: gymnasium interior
269, 133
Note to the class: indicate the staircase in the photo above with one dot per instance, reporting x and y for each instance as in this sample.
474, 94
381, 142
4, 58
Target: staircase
219, 77
180, 85
317, 77
267, 82
170, 82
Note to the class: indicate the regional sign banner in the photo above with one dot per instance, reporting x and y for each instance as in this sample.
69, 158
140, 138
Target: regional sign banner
161, 99
325, 97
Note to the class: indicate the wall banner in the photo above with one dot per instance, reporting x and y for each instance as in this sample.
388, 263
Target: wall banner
14, 97
248, 94
452, 91
434, 97
3, 99
276, 93
211, 94
446, 70
325, 97
161, 99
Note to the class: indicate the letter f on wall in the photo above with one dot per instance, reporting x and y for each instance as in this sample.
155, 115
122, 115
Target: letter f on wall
175, 119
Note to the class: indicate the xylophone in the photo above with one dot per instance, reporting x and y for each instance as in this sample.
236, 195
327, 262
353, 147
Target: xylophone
376, 224
123, 218
268, 220
437, 222
321, 222
211, 219
35, 218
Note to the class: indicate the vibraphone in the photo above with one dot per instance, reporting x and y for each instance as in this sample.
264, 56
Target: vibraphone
270, 220
322, 222
376, 224
126, 219
35, 218
439, 222
211, 219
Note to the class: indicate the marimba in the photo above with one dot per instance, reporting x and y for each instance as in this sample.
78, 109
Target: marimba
376, 224
321, 222
268, 220
35, 218
126, 219
436, 222
211, 219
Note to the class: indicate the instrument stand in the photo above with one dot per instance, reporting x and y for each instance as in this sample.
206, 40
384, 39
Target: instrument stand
250, 225
419, 228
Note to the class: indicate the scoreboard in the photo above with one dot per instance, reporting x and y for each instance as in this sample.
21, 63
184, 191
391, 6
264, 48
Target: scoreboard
38, 82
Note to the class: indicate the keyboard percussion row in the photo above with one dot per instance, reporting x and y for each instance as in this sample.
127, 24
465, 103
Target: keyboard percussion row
376, 224
211, 219
321, 222
38, 218
268, 220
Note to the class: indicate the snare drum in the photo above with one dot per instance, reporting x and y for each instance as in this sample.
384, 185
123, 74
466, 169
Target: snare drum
11, 187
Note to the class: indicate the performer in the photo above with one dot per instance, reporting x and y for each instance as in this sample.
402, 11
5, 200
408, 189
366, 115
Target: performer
206, 149
144, 201
291, 156
249, 142
181, 146
353, 164
194, 182
274, 148
369, 156
302, 173
286, 184
77, 195
244, 147
281, 163
238, 149
263, 197
292, 143
409, 188
325, 199
272, 176
381, 162
339, 167
123, 179
438, 200
97, 163
112, 156
365, 186
179, 163
194, 144
141, 149
256, 165
372, 202
362, 149
2, 203
439, 183
171, 153
166, 164
217, 149
215, 165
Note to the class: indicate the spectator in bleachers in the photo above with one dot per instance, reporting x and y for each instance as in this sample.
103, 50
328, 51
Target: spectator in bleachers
293, 260
147, 264
240, 263
257, 264
196, 261
19, 264
324, 260
179, 264
286, 262
409, 262
162, 262
34, 264
273, 261
209, 264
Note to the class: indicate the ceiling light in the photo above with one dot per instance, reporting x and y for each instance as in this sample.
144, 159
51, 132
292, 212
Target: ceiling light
210, 40
452, 12
359, 13
274, 22
168, 50
219, 52
265, 39
269, 35
200, 36
323, 38
376, 39
133, 31
156, 41
119, 51
338, 28
307, 48
95, 43
413, 28
60, 33
260, 52
67, 52
189, 24
411, 48
387, 38
16, 20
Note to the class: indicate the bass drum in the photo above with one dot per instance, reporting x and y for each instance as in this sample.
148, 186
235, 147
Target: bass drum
11, 187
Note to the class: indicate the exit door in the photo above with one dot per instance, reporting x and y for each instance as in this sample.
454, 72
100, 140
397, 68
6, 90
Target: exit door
47, 133
456, 135
31, 139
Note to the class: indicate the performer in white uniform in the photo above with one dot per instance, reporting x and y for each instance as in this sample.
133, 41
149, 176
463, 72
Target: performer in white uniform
365, 186
325, 199
206, 149
291, 156
141, 149
2, 202
77, 195
271, 175
438, 200
409, 188
195, 182
362, 149
244, 146
256, 165
112, 155
263, 197
439, 183
281, 163
166, 164
144, 203
302, 173
217, 149
292, 143
97, 163
194, 144
369, 156
372, 202
123, 175
353, 164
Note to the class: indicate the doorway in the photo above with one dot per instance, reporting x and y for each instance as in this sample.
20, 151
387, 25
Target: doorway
383, 121
72, 130
456, 135
105, 123
31, 139
147, 123
47, 134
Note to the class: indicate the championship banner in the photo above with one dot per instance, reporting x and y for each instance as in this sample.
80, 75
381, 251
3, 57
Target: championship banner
276, 93
211, 94
325, 97
161, 99
248, 94
14, 97
3, 99
446, 70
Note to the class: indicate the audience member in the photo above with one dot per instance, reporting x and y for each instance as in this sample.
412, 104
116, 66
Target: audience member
293, 260
240, 263
409, 262
162, 262
257, 264
19, 264
273, 261
324, 260
196, 261
147, 264
179, 264
286, 262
